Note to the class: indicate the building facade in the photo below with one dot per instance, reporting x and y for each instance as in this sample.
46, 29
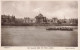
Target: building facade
41, 19
6, 19
29, 20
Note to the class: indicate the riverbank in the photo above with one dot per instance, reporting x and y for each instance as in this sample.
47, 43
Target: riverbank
35, 24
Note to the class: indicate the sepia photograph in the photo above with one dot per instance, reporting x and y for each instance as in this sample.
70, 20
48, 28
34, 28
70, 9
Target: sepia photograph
39, 23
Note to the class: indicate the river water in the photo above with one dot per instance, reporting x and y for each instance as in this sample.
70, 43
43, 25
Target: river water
38, 36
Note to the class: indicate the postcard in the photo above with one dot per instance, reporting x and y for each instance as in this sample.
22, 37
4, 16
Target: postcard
38, 24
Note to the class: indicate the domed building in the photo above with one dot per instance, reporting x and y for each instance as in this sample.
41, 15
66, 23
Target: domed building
40, 19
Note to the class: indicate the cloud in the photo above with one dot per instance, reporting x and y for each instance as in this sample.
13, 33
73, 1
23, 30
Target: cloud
47, 8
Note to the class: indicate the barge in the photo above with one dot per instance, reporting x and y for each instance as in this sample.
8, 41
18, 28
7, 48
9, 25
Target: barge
61, 28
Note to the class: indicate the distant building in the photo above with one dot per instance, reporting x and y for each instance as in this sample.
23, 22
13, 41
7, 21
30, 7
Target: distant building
6, 19
19, 20
73, 21
33, 20
29, 20
54, 20
49, 21
40, 19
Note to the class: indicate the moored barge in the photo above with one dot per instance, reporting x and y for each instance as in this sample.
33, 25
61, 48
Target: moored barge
61, 28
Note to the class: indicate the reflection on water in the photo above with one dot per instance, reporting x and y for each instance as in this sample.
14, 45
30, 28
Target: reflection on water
37, 36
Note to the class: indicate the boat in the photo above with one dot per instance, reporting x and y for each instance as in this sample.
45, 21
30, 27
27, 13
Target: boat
61, 28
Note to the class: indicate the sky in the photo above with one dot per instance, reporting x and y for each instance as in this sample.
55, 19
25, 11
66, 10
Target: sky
49, 9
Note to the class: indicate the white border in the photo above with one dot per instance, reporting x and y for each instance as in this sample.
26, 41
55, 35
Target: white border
42, 48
